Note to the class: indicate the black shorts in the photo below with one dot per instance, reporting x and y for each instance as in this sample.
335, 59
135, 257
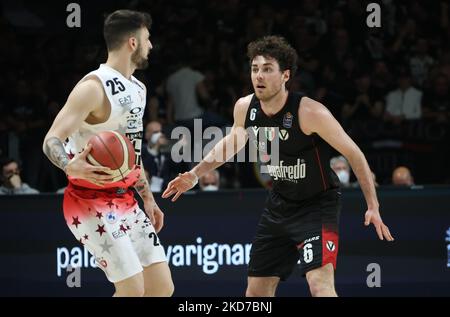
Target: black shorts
290, 231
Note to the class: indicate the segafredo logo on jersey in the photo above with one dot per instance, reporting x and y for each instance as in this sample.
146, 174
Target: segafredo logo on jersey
288, 172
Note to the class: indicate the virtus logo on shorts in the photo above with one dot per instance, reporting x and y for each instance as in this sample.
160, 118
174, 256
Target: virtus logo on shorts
331, 246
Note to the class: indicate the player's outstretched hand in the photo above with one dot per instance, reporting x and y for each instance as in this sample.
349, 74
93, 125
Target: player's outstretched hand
78, 167
181, 184
373, 216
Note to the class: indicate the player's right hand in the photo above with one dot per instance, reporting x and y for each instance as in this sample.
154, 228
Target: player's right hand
181, 184
78, 167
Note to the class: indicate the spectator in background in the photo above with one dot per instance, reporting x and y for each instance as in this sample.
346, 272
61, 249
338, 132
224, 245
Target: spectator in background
364, 104
401, 176
437, 102
184, 87
374, 44
11, 182
340, 46
157, 106
156, 159
406, 37
404, 103
341, 167
210, 181
381, 78
421, 62
28, 121
187, 91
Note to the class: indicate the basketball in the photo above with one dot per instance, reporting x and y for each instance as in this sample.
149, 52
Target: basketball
114, 150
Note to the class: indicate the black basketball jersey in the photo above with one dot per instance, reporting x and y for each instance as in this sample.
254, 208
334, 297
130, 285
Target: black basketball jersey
303, 169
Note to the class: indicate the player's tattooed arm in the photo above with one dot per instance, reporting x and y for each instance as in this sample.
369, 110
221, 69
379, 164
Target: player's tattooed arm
143, 188
56, 153
152, 210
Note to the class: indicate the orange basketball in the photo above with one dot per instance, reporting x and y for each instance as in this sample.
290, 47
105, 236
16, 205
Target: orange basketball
113, 150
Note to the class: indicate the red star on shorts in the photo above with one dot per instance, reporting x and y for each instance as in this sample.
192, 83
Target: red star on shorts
101, 229
110, 203
85, 237
99, 215
123, 228
75, 222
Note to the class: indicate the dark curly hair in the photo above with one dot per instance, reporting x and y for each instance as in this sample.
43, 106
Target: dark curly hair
275, 47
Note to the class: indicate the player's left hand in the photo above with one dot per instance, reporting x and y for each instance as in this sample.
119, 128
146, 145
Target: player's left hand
180, 184
155, 215
373, 216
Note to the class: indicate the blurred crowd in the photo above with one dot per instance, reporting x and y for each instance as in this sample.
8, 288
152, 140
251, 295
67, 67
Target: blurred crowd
388, 86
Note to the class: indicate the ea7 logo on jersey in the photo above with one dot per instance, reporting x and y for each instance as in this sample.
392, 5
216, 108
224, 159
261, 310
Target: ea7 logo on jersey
125, 101
331, 246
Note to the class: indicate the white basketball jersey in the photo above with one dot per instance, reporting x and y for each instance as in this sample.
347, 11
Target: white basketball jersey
127, 99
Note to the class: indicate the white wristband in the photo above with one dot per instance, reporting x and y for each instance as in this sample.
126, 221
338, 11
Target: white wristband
196, 177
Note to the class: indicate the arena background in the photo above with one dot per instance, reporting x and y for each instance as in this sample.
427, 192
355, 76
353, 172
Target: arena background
341, 58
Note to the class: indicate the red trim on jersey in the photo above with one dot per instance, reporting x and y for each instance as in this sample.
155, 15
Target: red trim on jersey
330, 244
320, 165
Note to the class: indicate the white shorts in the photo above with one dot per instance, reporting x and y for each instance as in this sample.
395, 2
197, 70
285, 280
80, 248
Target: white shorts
122, 245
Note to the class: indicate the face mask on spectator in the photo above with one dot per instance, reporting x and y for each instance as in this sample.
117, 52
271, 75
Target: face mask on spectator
210, 188
344, 176
155, 137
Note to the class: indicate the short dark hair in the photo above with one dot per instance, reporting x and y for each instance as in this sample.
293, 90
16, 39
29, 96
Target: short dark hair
6, 161
275, 47
122, 23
